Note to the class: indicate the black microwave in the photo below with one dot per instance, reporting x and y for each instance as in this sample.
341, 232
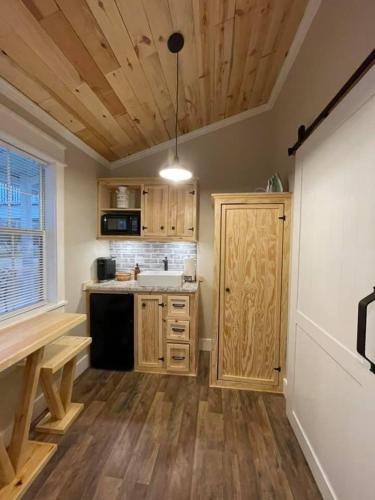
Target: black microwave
121, 223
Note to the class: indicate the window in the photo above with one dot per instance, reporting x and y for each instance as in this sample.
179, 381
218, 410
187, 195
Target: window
22, 232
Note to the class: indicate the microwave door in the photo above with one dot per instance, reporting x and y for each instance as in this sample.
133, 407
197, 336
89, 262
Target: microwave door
121, 224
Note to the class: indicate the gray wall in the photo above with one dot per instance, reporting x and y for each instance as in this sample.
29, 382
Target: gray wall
340, 38
234, 159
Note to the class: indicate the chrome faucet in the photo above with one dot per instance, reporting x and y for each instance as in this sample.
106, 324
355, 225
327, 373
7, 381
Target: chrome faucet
165, 262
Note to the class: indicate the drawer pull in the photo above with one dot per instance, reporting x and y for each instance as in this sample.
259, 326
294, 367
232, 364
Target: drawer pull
178, 358
179, 306
178, 330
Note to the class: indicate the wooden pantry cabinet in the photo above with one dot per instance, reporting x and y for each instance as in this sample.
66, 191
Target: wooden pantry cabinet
166, 333
251, 290
169, 211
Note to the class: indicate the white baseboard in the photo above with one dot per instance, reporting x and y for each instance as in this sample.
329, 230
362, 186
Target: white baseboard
205, 344
40, 403
285, 386
317, 470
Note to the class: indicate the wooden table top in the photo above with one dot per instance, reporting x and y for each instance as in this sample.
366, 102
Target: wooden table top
20, 340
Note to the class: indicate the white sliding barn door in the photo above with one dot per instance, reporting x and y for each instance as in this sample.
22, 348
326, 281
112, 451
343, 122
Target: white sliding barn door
330, 391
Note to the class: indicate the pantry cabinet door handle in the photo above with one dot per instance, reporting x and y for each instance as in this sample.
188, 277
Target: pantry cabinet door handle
178, 358
179, 306
178, 330
173, 228
227, 290
161, 359
162, 227
190, 229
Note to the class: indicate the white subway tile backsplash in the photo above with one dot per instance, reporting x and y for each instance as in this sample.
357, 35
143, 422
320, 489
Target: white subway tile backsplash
150, 255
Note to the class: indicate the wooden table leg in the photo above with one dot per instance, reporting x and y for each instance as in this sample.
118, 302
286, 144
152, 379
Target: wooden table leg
22, 420
25, 459
7, 472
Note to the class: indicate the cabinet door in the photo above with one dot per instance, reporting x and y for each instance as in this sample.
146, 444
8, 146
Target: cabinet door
155, 210
250, 293
149, 331
182, 211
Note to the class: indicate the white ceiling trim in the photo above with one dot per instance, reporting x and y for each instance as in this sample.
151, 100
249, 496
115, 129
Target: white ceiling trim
189, 136
28, 105
14, 95
304, 26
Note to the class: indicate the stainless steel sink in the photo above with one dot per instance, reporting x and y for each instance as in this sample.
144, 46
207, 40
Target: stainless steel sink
160, 278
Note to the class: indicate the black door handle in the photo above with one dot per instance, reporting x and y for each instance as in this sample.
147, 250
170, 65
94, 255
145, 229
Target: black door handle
362, 326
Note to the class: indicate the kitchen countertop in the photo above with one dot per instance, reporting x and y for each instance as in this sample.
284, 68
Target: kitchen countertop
133, 286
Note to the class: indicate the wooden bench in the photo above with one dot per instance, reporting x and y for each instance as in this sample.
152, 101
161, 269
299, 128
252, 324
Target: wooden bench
62, 412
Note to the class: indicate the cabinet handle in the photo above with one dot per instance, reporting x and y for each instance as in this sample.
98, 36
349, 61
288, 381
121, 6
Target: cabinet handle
161, 305
227, 290
179, 306
144, 227
192, 192
178, 358
143, 305
144, 192
190, 229
162, 227
173, 228
177, 330
161, 359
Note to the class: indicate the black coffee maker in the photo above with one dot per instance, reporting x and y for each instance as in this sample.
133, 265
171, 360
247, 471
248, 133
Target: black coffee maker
106, 268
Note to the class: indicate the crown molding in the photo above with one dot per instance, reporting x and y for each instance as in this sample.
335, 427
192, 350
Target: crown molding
304, 26
14, 95
28, 105
212, 127
302, 30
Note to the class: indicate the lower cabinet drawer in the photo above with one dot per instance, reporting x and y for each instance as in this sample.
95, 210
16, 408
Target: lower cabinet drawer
178, 357
178, 329
178, 306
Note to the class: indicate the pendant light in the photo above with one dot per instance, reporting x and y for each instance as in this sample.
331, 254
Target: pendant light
175, 171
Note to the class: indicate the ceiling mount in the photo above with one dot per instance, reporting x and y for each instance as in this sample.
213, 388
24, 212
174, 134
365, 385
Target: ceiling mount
176, 42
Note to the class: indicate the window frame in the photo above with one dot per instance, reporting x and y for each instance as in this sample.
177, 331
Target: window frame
18, 134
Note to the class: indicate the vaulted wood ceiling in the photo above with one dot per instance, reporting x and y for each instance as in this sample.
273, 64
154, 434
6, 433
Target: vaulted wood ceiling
103, 70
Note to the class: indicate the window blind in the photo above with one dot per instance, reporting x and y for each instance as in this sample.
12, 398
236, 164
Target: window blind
22, 232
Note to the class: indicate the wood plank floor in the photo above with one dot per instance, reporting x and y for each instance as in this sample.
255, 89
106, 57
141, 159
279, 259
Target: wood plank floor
156, 437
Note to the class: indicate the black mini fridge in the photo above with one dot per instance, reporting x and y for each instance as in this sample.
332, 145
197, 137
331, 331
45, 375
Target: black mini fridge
112, 331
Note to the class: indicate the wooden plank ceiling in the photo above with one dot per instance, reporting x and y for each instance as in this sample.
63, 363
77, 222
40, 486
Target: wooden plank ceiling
103, 70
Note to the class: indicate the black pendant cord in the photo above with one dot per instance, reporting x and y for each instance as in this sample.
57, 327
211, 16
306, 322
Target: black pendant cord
176, 127
303, 132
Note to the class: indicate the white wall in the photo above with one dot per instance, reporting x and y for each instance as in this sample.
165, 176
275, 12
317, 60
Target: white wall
234, 159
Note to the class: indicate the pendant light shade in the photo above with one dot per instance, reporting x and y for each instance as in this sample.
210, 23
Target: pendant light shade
175, 171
